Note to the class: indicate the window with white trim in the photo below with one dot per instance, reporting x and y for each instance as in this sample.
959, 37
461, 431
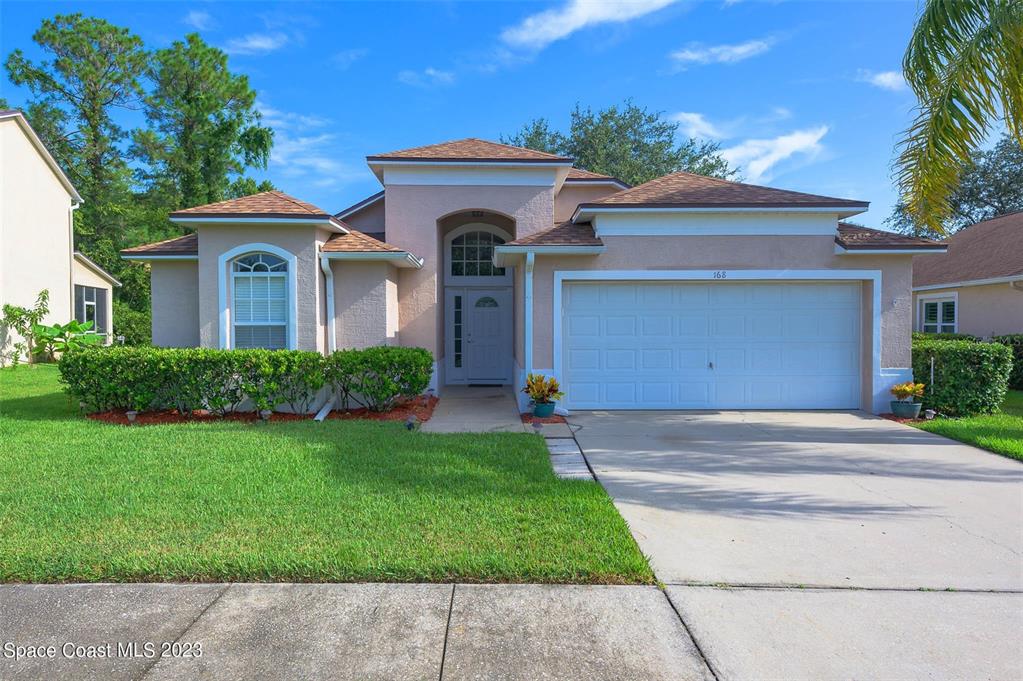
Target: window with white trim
472, 255
938, 316
260, 283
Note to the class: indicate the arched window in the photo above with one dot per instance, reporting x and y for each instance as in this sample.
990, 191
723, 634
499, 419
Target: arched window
472, 255
260, 296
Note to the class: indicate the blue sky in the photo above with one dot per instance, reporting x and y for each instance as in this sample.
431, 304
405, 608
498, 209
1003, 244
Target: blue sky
800, 95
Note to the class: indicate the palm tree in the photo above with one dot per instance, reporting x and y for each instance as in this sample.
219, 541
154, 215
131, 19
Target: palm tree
965, 64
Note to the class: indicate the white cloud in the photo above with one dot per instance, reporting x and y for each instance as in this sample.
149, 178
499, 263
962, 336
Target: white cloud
256, 43
697, 53
345, 58
697, 125
199, 20
537, 31
758, 156
277, 119
428, 77
886, 80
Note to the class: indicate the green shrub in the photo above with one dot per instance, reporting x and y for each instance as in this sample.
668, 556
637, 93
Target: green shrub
1015, 343
142, 378
920, 335
969, 378
134, 325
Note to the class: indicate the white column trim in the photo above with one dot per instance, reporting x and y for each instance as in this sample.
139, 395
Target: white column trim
878, 384
225, 341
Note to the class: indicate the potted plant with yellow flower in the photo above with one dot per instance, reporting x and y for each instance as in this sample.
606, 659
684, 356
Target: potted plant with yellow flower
544, 392
904, 406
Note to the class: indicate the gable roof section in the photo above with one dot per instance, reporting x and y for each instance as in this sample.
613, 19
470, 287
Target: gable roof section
688, 190
265, 204
183, 247
580, 176
562, 234
992, 249
357, 242
858, 238
19, 118
470, 149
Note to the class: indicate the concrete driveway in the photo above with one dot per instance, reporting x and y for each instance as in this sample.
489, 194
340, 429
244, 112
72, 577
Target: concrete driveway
872, 514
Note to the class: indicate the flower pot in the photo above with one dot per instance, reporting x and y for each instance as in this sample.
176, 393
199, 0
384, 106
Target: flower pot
906, 410
543, 410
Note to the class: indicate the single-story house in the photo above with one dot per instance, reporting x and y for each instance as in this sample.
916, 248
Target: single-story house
686, 292
37, 250
977, 286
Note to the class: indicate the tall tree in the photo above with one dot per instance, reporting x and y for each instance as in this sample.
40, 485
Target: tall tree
991, 184
965, 64
628, 142
94, 69
204, 125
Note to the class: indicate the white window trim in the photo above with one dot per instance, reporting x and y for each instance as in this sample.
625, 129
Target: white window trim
937, 298
225, 278
879, 379
452, 280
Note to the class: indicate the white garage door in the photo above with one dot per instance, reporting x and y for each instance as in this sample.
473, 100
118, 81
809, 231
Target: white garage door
685, 345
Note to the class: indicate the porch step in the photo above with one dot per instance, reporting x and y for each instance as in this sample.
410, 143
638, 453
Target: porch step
567, 459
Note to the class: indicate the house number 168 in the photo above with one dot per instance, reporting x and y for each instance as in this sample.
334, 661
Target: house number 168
720, 274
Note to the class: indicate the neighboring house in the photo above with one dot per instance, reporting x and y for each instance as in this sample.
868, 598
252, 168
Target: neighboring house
977, 287
36, 234
686, 292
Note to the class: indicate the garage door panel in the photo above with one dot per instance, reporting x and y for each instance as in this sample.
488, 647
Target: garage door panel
679, 345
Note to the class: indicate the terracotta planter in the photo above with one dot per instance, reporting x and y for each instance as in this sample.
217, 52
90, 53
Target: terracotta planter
542, 410
906, 410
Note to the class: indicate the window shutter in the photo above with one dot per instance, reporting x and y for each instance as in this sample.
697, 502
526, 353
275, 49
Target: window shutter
79, 303
101, 310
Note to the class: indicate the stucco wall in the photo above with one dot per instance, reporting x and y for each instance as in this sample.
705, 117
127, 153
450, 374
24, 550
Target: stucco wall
175, 303
412, 214
365, 304
35, 228
369, 219
571, 195
302, 241
81, 275
991, 310
734, 253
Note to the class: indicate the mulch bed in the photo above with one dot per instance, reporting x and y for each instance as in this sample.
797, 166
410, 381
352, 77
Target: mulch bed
422, 407
528, 417
899, 419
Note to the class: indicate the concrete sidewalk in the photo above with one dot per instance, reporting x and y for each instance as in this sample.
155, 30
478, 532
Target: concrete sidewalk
344, 631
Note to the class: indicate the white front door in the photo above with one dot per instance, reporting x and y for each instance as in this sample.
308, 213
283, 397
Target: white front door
479, 330
688, 345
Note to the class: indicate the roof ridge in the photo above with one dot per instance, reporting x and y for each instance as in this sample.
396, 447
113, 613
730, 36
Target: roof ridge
164, 241
304, 205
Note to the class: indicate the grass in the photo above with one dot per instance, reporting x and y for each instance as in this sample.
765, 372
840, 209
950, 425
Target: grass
1000, 433
338, 501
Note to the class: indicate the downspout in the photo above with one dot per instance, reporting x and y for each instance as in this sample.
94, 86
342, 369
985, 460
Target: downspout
75, 205
328, 273
528, 313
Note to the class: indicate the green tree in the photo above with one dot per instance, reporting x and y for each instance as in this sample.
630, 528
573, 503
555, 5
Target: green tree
991, 184
204, 125
246, 186
94, 68
965, 64
628, 142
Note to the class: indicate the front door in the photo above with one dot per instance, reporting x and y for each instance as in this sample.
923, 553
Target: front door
479, 336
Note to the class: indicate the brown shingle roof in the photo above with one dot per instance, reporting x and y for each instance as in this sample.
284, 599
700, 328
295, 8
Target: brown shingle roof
687, 190
182, 245
272, 204
580, 175
858, 238
470, 149
987, 250
357, 242
562, 234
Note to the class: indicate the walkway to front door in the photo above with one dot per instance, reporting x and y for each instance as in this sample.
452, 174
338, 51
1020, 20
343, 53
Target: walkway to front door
470, 409
479, 335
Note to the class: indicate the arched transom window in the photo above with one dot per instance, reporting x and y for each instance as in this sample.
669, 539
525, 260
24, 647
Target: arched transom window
472, 255
260, 284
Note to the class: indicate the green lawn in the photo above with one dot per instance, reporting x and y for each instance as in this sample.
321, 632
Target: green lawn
999, 433
302, 501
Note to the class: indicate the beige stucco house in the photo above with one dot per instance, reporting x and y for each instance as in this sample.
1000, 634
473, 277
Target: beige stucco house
977, 286
36, 235
686, 292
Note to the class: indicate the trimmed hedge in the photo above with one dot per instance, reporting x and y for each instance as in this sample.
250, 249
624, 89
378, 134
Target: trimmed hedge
969, 378
141, 378
1015, 343
920, 335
